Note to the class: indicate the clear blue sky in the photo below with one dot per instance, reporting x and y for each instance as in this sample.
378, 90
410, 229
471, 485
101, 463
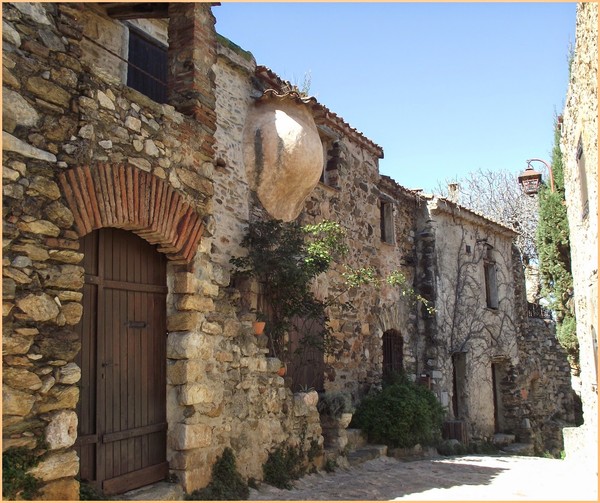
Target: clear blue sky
444, 88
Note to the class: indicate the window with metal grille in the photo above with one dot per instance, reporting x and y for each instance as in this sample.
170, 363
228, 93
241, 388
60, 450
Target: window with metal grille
393, 352
147, 72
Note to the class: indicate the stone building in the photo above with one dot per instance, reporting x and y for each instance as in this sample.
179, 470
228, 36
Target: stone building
579, 146
474, 336
109, 231
137, 146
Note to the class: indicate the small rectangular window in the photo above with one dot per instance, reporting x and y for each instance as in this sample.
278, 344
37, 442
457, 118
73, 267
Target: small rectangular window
148, 71
387, 222
333, 161
491, 280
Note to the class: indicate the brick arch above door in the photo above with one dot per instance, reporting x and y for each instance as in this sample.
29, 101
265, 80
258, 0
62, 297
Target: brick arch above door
125, 197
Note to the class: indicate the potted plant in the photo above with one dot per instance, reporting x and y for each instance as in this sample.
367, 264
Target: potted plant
309, 395
336, 408
259, 324
282, 370
284, 259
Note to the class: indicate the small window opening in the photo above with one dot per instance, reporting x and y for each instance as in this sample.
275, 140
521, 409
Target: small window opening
491, 280
148, 71
330, 175
387, 222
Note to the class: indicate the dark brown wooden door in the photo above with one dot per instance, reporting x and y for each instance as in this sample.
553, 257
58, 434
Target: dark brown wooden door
122, 412
307, 357
393, 352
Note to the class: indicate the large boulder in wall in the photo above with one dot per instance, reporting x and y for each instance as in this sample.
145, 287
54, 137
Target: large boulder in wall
283, 153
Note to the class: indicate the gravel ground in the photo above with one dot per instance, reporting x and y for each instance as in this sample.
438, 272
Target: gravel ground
464, 478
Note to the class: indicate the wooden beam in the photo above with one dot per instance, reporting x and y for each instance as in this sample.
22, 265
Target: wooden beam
137, 10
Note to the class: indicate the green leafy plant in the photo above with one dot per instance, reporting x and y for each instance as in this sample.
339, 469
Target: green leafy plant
87, 492
402, 414
330, 465
16, 482
285, 258
399, 280
226, 482
334, 404
314, 450
284, 464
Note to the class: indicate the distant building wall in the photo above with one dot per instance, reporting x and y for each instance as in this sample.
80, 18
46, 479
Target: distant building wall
579, 146
476, 324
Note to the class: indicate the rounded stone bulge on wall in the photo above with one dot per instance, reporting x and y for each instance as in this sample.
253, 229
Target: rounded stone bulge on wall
283, 153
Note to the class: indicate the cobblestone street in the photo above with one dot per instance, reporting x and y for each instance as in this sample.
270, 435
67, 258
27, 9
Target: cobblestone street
450, 479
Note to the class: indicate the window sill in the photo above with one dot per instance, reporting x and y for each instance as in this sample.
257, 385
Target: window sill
329, 187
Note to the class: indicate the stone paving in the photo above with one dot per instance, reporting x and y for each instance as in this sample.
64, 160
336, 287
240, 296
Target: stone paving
466, 478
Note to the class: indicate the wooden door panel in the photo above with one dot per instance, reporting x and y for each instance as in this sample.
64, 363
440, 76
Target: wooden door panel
123, 361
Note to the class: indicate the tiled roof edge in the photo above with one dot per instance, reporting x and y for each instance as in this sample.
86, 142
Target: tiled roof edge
322, 114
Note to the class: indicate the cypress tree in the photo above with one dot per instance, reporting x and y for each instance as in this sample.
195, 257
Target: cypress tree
554, 251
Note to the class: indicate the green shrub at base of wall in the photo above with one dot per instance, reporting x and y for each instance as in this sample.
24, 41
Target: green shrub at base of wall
284, 464
403, 414
16, 482
226, 482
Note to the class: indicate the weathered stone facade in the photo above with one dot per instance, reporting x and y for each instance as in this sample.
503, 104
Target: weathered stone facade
579, 146
471, 332
84, 151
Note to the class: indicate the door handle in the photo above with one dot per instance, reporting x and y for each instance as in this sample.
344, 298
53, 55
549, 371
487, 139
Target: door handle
135, 324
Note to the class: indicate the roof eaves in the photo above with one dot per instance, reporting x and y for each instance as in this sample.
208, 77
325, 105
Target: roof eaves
278, 88
453, 208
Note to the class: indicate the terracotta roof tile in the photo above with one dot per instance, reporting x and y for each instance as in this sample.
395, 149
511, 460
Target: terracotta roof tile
279, 88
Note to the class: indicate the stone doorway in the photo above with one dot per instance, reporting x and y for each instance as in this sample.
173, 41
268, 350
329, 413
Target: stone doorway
459, 378
498, 372
122, 407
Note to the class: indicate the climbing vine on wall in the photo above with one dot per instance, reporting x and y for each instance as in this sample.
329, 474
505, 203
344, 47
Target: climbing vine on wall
286, 258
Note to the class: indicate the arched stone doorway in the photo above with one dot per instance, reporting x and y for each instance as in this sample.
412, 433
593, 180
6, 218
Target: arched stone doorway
122, 411
129, 221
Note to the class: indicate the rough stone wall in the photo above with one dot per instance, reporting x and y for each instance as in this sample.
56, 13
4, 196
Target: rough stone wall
580, 124
233, 98
355, 364
538, 400
463, 322
60, 114
543, 400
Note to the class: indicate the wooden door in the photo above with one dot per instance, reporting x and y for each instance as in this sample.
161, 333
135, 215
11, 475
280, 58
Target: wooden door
393, 353
307, 357
122, 411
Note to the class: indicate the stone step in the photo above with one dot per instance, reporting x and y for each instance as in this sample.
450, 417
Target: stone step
503, 439
356, 438
161, 491
519, 449
366, 453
